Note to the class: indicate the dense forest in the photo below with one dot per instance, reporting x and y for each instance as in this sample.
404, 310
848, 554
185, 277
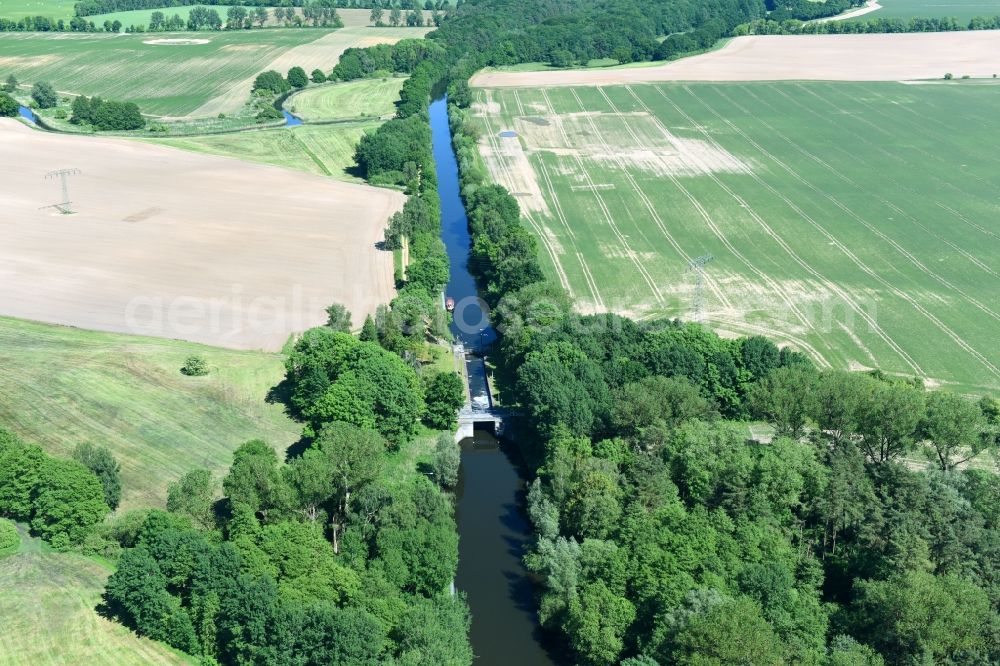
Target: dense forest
504, 32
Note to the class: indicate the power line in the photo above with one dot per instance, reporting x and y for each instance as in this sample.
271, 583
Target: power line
65, 206
697, 265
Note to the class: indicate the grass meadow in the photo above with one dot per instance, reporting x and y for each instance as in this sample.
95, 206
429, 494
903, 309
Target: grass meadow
48, 610
62, 386
371, 98
320, 149
854, 221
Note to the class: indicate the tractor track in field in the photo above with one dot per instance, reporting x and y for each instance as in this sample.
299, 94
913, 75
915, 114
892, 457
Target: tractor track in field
864, 267
943, 183
539, 231
881, 130
713, 285
743, 204
713, 226
836, 172
989, 155
706, 216
878, 330
774, 333
584, 267
647, 203
909, 299
968, 221
836, 202
557, 205
629, 251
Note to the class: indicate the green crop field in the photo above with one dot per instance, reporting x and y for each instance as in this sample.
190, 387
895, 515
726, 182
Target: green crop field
319, 149
176, 80
163, 80
53, 9
855, 221
48, 609
354, 99
963, 10
62, 386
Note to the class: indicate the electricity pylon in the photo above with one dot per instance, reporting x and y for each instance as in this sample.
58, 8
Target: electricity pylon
64, 207
697, 265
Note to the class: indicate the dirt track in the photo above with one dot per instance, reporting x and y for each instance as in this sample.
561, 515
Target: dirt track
182, 245
891, 57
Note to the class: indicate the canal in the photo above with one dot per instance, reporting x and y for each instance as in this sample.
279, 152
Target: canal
493, 531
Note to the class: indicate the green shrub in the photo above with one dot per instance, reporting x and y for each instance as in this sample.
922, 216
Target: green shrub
269, 113
195, 366
297, 77
43, 95
8, 105
9, 538
271, 81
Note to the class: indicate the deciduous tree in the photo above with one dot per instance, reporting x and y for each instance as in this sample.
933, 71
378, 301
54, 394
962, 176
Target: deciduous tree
98, 459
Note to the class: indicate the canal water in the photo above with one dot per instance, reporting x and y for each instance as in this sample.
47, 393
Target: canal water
493, 532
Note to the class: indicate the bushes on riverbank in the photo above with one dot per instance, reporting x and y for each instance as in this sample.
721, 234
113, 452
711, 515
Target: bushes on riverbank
106, 115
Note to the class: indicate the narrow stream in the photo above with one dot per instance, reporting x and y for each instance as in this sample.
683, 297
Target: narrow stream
493, 533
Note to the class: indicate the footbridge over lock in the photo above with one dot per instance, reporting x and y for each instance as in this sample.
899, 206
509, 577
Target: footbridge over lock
479, 411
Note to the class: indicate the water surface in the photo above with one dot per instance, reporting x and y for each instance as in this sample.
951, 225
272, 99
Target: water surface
493, 532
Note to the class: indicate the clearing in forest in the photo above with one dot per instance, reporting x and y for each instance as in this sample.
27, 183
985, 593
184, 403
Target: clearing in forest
849, 220
242, 264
